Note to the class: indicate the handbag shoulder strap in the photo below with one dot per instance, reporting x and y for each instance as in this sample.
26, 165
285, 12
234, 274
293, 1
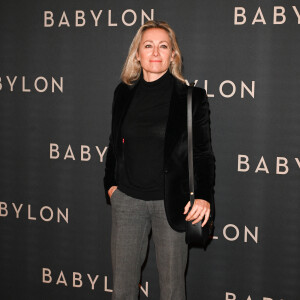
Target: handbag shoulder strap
190, 142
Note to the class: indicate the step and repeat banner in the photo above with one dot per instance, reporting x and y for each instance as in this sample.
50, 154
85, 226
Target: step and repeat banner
60, 62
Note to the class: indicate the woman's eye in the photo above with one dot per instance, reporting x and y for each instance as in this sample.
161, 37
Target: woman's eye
148, 46
164, 46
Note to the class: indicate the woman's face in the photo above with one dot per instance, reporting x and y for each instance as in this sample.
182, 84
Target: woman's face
155, 53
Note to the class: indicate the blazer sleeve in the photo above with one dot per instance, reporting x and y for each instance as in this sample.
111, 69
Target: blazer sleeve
110, 163
204, 158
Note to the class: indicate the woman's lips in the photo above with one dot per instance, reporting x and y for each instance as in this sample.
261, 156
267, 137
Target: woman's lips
155, 60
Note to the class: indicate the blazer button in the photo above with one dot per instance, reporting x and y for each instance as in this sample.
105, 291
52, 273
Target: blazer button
166, 171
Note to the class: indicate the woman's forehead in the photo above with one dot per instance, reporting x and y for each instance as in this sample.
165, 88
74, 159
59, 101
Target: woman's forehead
152, 34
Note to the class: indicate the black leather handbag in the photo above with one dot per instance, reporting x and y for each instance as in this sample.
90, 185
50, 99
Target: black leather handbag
195, 235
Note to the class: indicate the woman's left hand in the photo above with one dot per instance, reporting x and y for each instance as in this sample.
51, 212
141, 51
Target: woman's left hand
200, 209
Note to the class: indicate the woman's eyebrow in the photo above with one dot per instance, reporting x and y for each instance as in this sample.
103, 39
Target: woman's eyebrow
152, 41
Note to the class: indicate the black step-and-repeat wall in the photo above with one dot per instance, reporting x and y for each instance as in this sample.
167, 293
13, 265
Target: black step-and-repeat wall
59, 64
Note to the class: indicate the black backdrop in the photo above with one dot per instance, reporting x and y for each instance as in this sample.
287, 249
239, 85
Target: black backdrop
57, 79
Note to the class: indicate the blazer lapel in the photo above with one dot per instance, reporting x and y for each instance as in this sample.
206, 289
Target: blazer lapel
121, 112
176, 122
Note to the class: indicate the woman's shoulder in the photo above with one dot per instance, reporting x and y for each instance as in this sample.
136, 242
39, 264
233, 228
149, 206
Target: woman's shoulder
182, 87
122, 87
121, 92
200, 99
201, 92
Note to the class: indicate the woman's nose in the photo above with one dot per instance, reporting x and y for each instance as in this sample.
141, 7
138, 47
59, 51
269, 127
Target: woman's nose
155, 51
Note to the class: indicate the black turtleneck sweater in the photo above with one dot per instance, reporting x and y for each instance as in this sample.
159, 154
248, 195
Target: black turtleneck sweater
143, 134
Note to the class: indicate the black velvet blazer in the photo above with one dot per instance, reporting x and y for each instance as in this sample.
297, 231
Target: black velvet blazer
176, 194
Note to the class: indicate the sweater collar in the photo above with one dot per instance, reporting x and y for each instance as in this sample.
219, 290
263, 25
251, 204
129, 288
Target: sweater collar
158, 82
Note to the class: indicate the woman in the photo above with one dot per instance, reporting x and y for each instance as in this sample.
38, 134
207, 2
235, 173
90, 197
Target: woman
146, 173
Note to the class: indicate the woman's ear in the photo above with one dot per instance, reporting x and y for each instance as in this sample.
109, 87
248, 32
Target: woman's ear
137, 56
172, 55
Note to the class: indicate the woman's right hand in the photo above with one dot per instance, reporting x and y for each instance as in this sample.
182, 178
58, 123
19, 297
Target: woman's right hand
111, 190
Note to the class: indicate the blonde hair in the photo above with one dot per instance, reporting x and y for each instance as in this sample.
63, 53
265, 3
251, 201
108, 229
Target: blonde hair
132, 67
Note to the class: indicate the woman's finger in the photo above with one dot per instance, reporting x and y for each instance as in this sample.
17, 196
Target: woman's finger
194, 213
205, 219
197, 220
187, 207
201, 212
206, 215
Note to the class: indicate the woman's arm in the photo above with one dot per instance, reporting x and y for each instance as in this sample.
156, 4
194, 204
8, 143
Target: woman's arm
204, 159
110, 164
